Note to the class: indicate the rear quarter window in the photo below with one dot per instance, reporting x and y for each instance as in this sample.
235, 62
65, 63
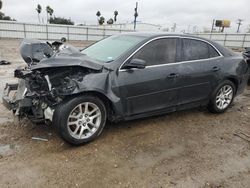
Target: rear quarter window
194, 50
212, 52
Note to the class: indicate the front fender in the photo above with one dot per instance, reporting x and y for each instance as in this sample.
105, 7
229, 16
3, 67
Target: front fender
99, 83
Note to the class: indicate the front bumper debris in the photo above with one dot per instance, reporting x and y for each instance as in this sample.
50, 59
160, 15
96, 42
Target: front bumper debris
8, 101
15, 99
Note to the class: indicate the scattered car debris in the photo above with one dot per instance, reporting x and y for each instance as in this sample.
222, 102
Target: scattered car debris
173, 183
242, 135
6, 150
40, 139
3, 62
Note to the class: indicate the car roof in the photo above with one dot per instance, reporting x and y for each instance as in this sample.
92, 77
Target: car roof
159, 34
150, 35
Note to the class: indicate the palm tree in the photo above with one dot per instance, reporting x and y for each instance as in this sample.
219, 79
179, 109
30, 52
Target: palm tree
110, 21
98, 14
49, 11
101, 20
116, 14
39, 10
1, 14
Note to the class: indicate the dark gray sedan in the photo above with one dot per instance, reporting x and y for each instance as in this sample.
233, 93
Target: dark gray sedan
123, 77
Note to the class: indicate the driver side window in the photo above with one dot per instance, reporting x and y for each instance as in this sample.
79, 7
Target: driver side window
157, 52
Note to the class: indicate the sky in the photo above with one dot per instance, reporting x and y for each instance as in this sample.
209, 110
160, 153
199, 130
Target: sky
187, 14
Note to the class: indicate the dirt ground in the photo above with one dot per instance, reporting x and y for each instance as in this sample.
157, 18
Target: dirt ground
184, 149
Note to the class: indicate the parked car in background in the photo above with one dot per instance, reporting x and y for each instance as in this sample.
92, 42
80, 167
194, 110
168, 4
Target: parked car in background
123, 77
246, 55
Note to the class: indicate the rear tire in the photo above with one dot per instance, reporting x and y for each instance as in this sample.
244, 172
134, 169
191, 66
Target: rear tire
81, 119
222, 97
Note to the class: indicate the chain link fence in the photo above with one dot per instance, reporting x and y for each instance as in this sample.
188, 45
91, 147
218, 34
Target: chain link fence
20, 30
233, 40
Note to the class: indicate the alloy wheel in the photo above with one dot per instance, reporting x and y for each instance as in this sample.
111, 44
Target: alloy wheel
84, 120
224, 97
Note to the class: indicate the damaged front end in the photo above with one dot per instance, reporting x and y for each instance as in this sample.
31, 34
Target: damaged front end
40, 91
44, 84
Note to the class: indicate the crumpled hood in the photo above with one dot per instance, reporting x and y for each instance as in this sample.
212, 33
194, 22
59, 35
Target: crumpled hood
68, 60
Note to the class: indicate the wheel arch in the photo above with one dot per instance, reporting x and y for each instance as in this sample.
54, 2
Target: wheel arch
106, 100
235, 82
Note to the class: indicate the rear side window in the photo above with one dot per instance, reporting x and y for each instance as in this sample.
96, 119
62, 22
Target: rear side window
160, 51
194, 50
212, 52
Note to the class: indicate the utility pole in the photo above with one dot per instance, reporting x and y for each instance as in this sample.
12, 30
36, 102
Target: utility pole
135, 15
188, 28
212, 29
239, 24
173, 28
195, 29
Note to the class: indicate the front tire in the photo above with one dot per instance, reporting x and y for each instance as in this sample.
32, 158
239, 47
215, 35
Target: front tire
222, 97
81, 119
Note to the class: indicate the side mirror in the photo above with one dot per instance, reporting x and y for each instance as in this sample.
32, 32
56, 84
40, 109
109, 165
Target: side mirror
136, 63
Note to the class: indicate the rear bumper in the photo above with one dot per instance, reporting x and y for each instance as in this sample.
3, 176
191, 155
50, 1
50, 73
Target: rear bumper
9, 101
243, 83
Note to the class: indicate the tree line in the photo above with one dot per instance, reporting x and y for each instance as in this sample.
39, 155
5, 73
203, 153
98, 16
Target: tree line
101, 19
3, 16
52, 19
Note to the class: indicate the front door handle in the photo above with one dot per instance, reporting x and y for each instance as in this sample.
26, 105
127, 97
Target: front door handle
173, 75
215, 69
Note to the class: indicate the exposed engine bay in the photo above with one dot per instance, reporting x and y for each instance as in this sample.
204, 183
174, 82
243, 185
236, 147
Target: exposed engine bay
53, 72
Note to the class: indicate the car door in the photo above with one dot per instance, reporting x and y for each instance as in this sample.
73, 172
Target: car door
152, 88
197, 70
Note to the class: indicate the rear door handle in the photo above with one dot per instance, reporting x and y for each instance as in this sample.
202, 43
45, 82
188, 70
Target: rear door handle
173, 75
215, 69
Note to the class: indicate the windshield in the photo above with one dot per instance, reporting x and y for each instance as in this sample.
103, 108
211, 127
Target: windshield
112, 47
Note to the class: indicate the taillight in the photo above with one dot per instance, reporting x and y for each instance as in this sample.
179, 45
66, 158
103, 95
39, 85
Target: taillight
246, 56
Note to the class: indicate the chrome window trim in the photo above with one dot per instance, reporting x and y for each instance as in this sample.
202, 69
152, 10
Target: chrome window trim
174, 63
